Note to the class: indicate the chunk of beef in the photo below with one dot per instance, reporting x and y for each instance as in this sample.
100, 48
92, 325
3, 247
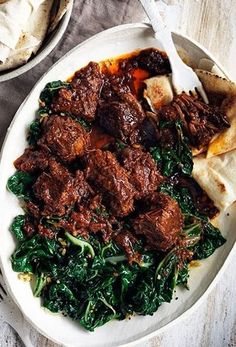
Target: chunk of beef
99, 139
121, 118
126, 240
87, 221
86, 195
201, 121
148, 132
33, 210
168, 137
104, 171
64, 137
32, 160
56, 189
45, 232
162, 225
151, 60
114, 86
82, 99
142, 169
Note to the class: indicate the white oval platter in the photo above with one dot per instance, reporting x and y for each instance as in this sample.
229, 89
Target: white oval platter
110, 43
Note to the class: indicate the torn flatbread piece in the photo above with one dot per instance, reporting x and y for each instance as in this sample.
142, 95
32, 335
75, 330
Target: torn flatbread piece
25, 27
217, 177
158, 91
222, 91
30, 35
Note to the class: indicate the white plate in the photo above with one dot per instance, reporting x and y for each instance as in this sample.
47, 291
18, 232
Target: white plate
112, 42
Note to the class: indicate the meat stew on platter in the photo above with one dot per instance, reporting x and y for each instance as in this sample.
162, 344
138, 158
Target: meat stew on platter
112, 216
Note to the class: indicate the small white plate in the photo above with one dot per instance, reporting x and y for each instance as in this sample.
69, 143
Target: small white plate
110, 43
46, 48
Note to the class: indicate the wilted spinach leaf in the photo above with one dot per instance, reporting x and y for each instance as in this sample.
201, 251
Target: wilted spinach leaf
177, 158
20, 184
183, 275
50, 90
35, 132
17, 227
34, 253
211, 240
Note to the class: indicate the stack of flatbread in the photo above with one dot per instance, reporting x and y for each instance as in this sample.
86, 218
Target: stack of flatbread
215, 169
23, 27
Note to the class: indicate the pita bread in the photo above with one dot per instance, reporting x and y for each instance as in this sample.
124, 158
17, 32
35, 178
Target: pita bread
217, 177
13, 16
29, 37
58, 10
44, 17
158, 91
22, 53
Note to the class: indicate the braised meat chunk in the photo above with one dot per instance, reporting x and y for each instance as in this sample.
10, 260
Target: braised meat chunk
85, 192
114, 86
57, 190
104, 171
82, 99
126, 240
201, 121
64, 137
150, 59
85, 222
162, 225
121, 118
142, 169
148, 133
32, 160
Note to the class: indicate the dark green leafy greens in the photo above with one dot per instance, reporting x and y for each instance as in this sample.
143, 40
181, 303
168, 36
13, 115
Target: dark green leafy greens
93, 282
50, 91
35, 132
211, 237
17, 227
177, 158
20, 184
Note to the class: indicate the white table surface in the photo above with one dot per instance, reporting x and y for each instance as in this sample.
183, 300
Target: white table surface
213, 324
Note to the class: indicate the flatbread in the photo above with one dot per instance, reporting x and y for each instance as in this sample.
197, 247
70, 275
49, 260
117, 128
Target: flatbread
224, 90
31, 37
215, 170
217, 177
158, 91
60, 7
